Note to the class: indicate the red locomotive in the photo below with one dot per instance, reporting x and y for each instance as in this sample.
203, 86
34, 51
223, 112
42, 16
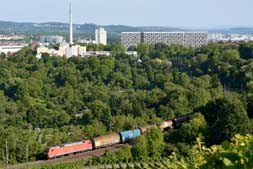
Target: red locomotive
66, 149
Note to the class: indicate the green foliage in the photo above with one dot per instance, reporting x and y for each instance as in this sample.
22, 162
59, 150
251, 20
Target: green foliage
231, 55
140, 149
76, 165
143, 50
226, 117
250, 105
56, 100
95, 129
196, 128
117, 48
235, 154
155, 143
246, 50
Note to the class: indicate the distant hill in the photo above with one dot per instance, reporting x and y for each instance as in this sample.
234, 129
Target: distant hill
81, 30
28, 27
87, 30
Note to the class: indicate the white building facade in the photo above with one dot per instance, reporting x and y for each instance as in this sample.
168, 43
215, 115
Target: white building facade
101, 36
193, 39
11, 48
64, 50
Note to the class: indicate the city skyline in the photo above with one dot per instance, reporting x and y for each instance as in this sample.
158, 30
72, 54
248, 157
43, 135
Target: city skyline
195, 13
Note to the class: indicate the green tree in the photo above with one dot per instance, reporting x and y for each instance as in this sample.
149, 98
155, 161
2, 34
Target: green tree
246, 50
250, 106
237, 154
3, 102
101, 110
155, 143
117, 48
189, 132
231, 55
143, 50
140, 149
226, 117
96, 128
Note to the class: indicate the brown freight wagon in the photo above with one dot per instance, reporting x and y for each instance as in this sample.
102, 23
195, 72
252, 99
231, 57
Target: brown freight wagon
105, 141
166, 125
146, 128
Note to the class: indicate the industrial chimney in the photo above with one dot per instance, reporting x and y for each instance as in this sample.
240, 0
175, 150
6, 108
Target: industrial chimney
70, 24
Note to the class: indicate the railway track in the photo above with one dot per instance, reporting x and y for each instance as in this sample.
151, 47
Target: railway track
71, 158
122, 137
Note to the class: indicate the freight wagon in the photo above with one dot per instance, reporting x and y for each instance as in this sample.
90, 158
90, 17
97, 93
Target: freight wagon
178, 121
145, 129
106, 141
166, 125
126, 136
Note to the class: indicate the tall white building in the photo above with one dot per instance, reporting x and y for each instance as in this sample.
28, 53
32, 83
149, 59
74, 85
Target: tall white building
101, 36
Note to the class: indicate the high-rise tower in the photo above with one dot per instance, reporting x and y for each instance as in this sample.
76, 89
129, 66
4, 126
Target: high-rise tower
101, 36
70, 24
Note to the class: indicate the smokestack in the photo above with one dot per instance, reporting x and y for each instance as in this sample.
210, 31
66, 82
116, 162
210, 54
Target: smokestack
70, 25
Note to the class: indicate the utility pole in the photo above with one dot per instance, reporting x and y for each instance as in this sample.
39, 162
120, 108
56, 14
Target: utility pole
110, 127
3, 155
27, 152
7, 153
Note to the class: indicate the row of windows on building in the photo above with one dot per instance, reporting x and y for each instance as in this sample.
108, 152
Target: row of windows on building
193, 39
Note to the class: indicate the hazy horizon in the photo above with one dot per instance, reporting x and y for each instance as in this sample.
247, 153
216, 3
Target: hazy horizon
190, 14
160, 26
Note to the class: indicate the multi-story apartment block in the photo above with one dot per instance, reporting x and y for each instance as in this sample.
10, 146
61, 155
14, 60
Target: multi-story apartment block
101, 36
193, 39
131, 38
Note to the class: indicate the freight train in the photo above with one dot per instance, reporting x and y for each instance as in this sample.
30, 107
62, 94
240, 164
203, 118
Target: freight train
111, 139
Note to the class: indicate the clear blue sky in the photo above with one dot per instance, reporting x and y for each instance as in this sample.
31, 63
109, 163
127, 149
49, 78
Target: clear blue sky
185, 13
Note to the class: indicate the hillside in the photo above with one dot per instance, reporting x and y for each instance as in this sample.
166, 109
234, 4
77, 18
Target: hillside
56, 100
87, 30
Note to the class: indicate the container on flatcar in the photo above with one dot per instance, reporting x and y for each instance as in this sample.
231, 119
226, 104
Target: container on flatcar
166, 125
107, 140
126, 136
70, 148
145, 129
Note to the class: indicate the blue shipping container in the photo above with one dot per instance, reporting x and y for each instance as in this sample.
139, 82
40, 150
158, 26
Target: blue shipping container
129, 135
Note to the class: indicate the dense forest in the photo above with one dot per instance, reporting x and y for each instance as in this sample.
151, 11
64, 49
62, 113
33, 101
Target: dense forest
55, 100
